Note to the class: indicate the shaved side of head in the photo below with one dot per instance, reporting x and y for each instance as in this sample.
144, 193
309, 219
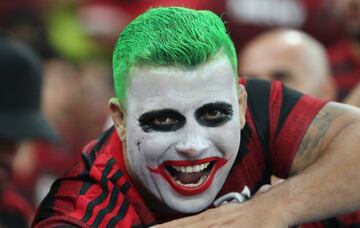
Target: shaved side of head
291, 56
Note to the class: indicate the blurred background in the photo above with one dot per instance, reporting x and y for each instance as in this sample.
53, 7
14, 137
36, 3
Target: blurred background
75, 39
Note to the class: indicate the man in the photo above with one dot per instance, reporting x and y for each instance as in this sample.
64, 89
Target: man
20, 120
291, 56
184, 136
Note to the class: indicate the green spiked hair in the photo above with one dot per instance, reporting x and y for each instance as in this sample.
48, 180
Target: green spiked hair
172, 36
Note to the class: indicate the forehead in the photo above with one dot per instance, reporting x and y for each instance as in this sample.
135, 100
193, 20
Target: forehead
152, 85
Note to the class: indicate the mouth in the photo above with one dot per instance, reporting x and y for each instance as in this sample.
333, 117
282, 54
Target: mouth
190, 177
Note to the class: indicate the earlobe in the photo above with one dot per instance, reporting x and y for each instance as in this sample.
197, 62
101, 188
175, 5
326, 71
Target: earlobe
118, 116
242, 98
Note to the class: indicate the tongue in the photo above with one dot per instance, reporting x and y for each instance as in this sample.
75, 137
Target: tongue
189, 178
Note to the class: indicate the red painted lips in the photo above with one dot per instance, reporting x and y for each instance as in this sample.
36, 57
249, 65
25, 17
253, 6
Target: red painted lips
190, 177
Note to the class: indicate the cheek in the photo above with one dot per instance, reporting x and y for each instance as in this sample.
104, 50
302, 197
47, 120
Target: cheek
227, 137
155, 145
148, 147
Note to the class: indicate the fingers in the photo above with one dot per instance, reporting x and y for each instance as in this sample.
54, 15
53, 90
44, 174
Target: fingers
263, 189
278, 181
275, 181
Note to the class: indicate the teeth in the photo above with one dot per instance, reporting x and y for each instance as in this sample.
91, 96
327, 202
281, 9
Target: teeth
191, 169
197, 168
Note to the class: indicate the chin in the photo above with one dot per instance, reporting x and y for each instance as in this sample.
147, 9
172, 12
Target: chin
190, 206
187, 204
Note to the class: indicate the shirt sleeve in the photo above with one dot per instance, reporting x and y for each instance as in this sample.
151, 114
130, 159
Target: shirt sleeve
290, 115
279, 118
94, 193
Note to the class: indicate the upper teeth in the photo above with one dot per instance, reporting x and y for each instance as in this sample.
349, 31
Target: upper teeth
191, 169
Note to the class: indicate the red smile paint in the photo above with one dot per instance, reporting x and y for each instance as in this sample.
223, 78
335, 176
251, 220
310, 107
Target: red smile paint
215, 162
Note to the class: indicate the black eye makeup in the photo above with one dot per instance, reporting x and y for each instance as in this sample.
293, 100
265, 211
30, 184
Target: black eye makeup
161, 120
214, 114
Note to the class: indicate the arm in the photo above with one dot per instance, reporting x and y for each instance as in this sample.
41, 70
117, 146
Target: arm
326, 180
328, 159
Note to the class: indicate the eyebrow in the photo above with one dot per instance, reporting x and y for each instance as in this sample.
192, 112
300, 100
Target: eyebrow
156, 113
218, 104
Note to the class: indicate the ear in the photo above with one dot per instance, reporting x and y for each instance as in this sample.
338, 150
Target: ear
118, 115
242, 98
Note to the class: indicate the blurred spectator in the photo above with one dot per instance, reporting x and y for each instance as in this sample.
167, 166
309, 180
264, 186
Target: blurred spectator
20, 120
345, 55
300, 62
75, 98
23, 22
77, 85
247, 18
291, 56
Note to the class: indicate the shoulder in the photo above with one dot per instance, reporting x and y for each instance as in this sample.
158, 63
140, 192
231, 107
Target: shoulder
88, 190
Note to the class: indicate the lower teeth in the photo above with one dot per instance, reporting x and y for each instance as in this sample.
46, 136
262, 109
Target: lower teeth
199, 182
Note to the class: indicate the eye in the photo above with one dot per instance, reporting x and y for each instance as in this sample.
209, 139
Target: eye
161, 120
165, 120
281, 75
214, 114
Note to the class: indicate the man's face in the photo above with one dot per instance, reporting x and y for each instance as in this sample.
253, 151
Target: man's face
183, 131
278, 62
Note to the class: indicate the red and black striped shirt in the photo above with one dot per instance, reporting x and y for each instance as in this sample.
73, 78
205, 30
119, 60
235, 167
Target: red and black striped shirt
98, 192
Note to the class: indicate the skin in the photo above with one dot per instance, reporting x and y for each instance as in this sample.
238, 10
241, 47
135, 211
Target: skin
292, 57
187, 93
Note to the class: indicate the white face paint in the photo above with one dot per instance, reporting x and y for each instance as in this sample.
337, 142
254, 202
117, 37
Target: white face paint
183, 131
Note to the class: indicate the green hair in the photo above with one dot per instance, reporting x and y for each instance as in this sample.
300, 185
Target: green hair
169, 36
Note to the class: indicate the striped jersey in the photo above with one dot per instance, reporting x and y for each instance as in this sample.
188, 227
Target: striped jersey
98, 192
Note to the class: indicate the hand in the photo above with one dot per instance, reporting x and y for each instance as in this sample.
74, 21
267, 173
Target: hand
229, 215
249, 214
266, 187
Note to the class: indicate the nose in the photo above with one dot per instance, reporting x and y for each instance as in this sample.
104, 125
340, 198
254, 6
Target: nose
192, 145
